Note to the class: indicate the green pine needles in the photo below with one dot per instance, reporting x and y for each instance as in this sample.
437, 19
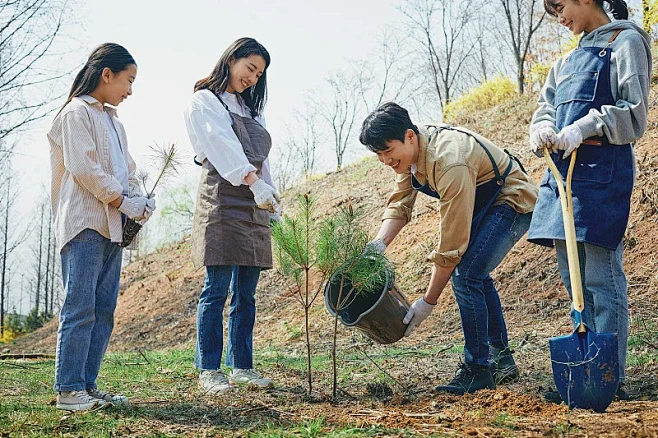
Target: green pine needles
309, 251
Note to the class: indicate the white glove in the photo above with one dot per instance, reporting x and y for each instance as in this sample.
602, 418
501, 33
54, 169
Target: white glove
265, 195
148, 209
417, 313
277, 216
376, 246
569, 139
134, 208
135, 190
543, 137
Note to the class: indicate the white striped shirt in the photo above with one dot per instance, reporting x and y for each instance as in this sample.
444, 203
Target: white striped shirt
82, 181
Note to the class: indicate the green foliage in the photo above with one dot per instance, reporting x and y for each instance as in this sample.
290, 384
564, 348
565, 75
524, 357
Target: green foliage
649, 15
341, 247
35, 320
487, 95
14, 324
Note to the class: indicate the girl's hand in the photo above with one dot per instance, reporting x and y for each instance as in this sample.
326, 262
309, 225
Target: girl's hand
569, 139
543, 137
134, 208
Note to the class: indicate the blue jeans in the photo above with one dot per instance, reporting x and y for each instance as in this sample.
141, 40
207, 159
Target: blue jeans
479, 304
91, 265
242, 281
604, 291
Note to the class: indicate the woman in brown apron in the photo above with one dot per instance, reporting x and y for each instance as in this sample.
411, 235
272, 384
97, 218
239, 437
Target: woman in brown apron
231, 231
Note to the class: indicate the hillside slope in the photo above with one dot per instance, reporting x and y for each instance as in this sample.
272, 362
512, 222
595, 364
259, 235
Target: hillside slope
157, 306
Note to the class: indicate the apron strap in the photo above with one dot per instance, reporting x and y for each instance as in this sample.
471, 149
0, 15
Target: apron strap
610, 41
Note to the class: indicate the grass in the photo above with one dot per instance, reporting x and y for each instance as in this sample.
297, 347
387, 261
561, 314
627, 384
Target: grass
162, 385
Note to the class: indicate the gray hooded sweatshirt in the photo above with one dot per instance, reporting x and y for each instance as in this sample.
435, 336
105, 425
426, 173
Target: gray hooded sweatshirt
630, 73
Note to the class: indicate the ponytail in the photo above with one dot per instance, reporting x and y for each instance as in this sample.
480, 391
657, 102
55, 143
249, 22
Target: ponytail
618, 8
107, 55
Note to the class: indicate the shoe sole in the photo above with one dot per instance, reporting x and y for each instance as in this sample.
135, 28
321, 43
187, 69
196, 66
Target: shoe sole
215, 392
79, 406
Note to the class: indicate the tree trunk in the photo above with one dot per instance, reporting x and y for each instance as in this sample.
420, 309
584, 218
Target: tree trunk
5, 237
38, 291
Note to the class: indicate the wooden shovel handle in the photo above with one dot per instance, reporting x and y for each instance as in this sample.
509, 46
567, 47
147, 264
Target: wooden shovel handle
566, 201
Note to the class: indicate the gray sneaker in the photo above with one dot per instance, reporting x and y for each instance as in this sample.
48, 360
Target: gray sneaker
214, 382
249, 377
108, 397
77, 401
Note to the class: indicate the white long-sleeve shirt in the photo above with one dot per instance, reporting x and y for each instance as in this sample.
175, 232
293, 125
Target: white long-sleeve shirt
212, 137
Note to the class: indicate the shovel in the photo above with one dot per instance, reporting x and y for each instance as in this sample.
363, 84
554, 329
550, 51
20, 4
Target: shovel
585, 363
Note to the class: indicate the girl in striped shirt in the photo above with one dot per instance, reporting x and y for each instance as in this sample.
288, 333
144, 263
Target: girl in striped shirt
93, 190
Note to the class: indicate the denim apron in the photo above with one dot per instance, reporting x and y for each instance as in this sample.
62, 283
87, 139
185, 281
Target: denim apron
228, 228
603, 175
485, 194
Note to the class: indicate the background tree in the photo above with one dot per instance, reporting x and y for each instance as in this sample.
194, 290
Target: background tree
304, 138
441, 30
523, 18
30, 62
340, 110
385, 76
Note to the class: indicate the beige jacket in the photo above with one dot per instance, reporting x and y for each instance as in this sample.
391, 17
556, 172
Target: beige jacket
454, 164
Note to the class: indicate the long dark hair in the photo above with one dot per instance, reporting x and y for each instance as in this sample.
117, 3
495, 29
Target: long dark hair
110, 55
254, 97
618, 8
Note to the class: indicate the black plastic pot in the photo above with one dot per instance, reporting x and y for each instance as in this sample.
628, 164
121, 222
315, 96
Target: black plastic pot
130, 230
377, 313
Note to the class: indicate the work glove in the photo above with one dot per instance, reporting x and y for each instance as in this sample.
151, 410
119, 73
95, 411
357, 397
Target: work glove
542, 137
417, 313
376, 246
265, 195
277, 216
569, 138
135, 190
134, 208
148, 209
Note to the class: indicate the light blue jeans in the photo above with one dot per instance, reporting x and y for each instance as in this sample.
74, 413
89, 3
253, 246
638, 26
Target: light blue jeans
91, 265
242, 281
479, 304
604, 291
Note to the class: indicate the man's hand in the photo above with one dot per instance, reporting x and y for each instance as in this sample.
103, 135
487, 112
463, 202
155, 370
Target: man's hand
265, 195
543, 137
376, 246
569, 139
134, 208
417, 313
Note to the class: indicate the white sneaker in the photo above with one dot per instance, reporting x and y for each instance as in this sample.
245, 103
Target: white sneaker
249, 377
214, 382
77, 401
108, 397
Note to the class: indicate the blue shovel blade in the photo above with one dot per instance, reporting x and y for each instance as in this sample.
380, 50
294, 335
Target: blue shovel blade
586, 369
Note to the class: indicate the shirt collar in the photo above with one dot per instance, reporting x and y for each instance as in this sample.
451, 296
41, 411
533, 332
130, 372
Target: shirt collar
422, 153
96, 104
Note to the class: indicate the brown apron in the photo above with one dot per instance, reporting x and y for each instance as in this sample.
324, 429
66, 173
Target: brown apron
228, 228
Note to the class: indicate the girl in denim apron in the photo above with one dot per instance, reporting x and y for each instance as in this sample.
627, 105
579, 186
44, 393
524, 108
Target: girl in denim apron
235, 202
93, 189
595, 99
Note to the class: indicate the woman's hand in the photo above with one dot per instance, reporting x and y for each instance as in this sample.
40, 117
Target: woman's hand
265, 195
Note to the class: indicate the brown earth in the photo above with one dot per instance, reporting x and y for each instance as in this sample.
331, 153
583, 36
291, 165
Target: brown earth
157, 310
